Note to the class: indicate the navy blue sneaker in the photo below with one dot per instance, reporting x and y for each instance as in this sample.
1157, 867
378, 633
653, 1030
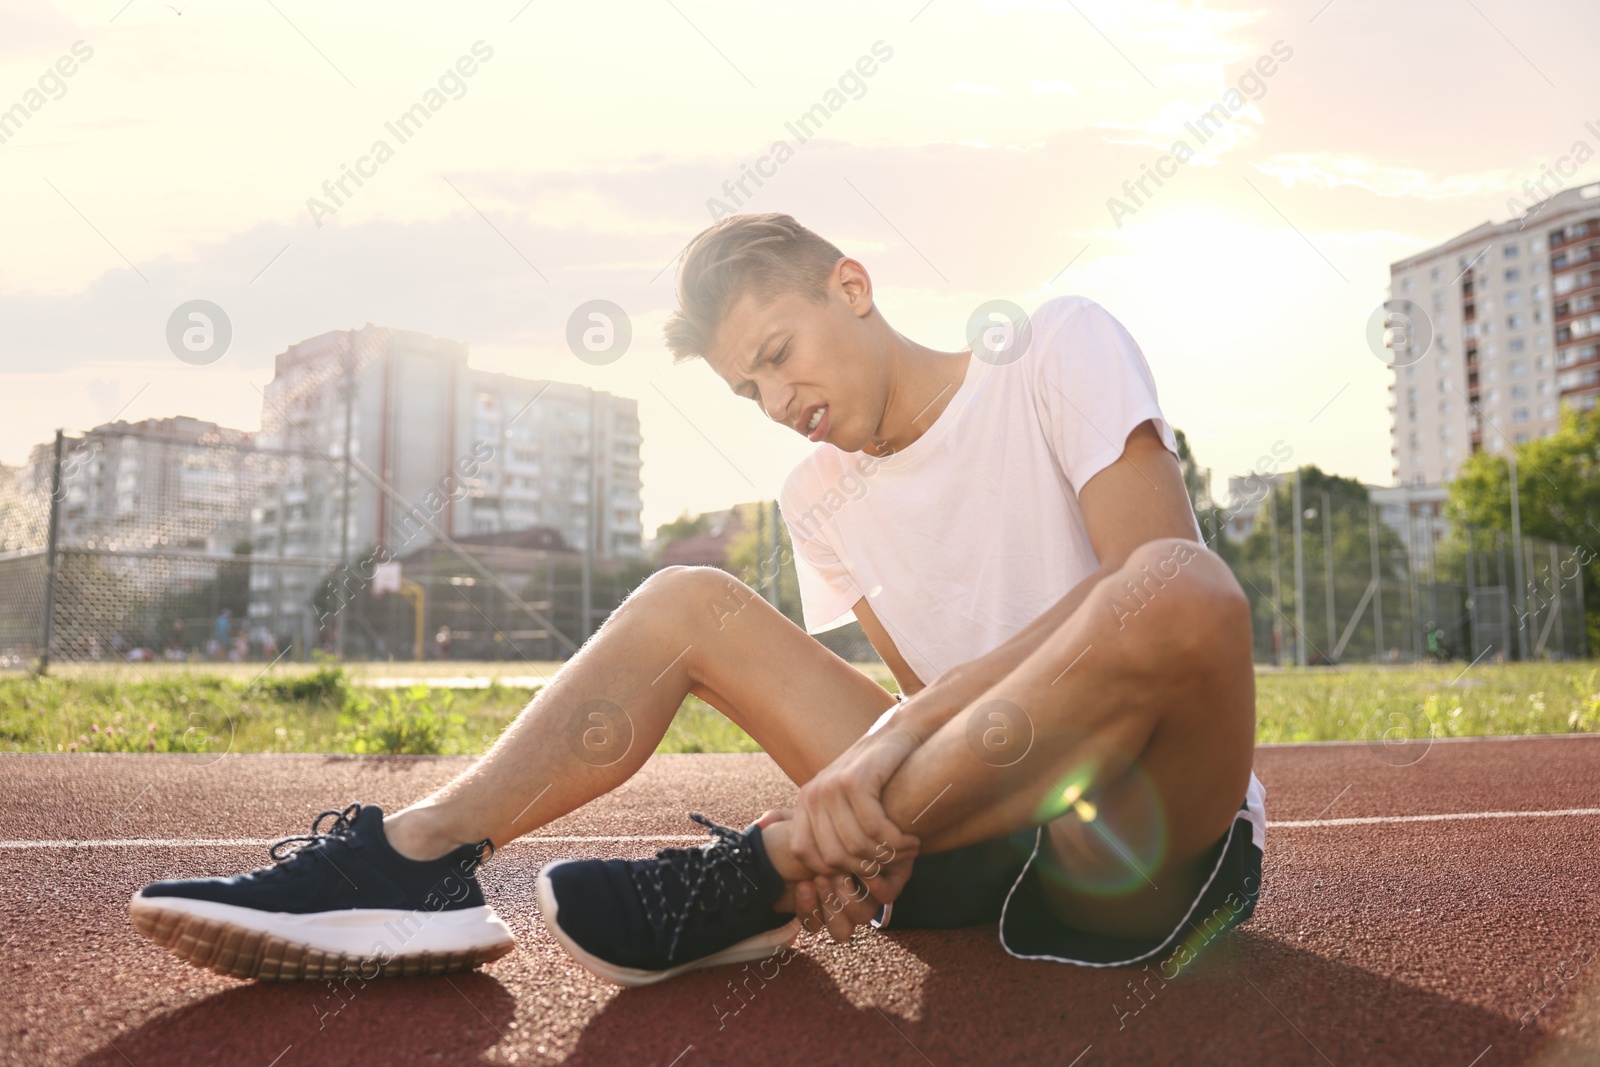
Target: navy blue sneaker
635, 922
338, 901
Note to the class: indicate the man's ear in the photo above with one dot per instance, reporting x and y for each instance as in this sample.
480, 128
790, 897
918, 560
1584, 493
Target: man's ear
856, 285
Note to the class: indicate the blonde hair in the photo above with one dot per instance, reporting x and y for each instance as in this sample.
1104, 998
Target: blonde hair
756, 255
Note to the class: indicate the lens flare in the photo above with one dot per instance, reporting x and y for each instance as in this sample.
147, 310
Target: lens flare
1105, 846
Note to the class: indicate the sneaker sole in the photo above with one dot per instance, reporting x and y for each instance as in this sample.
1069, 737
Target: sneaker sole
751, 948
278, 946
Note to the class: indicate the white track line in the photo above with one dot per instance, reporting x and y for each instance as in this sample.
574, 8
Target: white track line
1290, 824
229, 842
1371, 820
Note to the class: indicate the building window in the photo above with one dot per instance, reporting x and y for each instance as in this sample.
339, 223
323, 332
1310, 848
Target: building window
1518, 368
1513, 274
1520, 415
1509, 252
1516, 344
1513, 322
1434, 274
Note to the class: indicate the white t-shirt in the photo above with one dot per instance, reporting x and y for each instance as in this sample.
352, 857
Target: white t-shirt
972, 531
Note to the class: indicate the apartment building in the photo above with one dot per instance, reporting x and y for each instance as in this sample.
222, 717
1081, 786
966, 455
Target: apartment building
460, 450
1514, 321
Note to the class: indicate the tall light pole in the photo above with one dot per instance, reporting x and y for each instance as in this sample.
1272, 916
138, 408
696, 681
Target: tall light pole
1277, 582
344, 497
1516, 563
1327, 567
588, 528
1299, 577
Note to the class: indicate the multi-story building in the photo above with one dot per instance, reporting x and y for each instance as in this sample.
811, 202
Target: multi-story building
1514, 313
460, 450
170, 484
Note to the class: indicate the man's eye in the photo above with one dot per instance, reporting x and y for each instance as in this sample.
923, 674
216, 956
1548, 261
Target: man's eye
781, 355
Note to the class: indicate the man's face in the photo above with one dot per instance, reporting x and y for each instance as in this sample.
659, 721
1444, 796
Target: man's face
812, 367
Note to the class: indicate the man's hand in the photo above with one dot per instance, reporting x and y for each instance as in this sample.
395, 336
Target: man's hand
839, 826
839, 903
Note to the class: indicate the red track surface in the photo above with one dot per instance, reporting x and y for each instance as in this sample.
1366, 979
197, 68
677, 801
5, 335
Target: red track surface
1404, 943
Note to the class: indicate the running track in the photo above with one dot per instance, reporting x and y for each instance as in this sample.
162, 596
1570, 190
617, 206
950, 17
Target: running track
1384, 935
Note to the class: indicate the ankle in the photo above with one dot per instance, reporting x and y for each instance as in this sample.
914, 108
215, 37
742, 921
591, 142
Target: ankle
775, 839
419, 832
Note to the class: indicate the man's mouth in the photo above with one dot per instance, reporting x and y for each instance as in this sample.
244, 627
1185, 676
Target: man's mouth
816, 418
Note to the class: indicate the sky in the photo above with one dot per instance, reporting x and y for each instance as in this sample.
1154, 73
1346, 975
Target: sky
984, 157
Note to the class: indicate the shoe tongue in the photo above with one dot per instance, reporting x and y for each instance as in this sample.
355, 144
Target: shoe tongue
368, 821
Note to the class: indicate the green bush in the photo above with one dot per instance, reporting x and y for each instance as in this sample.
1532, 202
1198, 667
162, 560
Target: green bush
327, 683
408, 723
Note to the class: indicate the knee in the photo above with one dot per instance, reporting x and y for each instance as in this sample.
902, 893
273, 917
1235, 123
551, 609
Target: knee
1177, 598
691, 597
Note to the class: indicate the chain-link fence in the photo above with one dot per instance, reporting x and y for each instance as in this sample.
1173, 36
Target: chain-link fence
183, 542
1334, 578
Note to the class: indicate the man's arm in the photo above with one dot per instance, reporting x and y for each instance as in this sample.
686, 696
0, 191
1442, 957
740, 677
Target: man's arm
1138, 498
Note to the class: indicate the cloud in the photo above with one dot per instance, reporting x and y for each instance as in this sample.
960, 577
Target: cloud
1327, 170
36, 33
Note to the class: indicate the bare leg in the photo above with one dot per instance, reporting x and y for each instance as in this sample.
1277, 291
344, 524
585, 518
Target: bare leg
685, 630
1142, 731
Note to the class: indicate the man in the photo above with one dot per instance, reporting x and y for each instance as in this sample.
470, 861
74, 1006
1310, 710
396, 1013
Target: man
1072, 756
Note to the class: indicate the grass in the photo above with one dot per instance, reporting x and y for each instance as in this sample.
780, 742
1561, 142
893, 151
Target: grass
326, 708
1370, 703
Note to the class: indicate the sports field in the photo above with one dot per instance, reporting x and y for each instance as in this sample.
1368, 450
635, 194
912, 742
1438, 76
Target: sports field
1423, 903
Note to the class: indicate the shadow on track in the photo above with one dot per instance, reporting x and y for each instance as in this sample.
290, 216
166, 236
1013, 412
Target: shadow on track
1248, 999
445, 1019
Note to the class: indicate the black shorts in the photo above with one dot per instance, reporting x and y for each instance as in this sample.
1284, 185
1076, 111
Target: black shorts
997, 881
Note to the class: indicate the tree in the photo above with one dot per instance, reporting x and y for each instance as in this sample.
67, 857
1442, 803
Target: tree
679, 528
1212, 519
753, 562
1558, 494
1350, 553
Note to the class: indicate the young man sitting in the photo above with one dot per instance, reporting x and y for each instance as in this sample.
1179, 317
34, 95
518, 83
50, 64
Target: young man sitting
1072, 757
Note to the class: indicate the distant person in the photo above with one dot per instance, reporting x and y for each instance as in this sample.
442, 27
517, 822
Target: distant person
221, 630
441, 642
1010, 527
